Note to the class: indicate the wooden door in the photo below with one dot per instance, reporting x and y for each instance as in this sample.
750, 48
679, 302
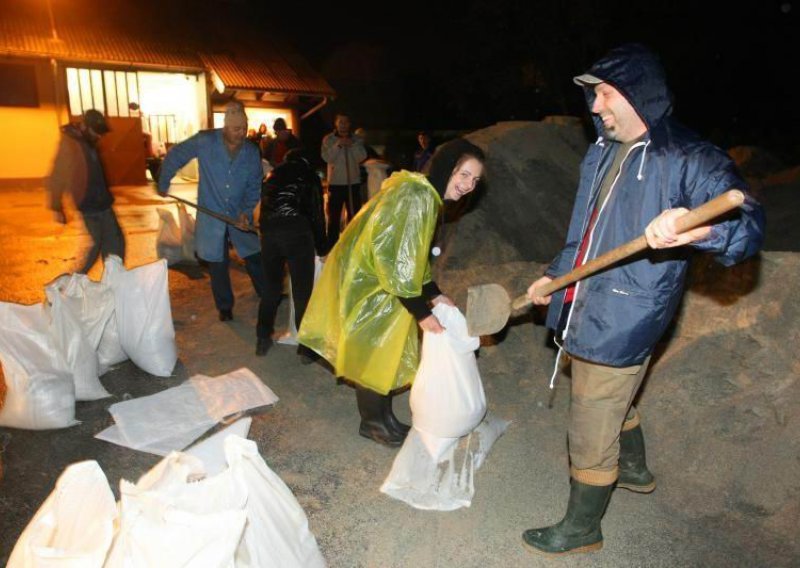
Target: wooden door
122, 151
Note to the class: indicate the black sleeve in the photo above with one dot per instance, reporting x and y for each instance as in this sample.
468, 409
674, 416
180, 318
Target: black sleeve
418, 306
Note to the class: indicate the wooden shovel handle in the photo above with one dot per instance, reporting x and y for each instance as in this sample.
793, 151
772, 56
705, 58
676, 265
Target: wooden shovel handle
696, 217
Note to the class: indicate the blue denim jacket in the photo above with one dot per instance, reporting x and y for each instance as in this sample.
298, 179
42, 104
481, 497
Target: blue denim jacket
229, 186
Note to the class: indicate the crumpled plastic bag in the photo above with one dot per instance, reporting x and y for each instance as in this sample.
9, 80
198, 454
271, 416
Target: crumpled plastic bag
175, 240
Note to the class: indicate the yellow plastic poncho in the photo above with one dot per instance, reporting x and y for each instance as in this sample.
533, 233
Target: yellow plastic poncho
354, 318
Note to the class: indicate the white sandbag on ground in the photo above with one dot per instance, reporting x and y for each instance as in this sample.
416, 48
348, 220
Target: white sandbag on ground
41, 392
187, 224
75, 347
168, 241
447, 398
143, 314
211, 451
161, 526
74, 527
174, 418
260, 523
93, 304
175, 240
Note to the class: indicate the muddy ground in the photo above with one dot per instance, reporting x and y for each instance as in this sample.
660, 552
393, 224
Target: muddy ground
720, 414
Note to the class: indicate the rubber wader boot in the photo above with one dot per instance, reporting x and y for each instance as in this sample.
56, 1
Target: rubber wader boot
392, 420
633, 473
372, 408
579, 530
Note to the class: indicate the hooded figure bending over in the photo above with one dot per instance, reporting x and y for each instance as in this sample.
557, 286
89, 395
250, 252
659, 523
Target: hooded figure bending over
376, 287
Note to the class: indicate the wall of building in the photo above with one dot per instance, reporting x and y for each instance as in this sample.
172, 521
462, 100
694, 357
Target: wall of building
29, 135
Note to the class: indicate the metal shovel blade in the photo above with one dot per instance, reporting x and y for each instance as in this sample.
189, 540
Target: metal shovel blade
488, 309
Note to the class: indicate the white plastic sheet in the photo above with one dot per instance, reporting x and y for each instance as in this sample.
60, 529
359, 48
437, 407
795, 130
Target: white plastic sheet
74, 527
432, 473
447, 398
41, 392
143, 314
174, 418
187, 223
71, 340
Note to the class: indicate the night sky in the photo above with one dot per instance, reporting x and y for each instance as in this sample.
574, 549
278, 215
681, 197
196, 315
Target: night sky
446, 65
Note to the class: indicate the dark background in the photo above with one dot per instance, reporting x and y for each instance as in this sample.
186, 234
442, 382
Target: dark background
466, 65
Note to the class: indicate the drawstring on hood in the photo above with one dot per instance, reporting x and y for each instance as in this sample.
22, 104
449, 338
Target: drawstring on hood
640, 173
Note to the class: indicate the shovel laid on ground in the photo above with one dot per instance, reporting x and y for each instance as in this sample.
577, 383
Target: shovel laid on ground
229, 220
489, 305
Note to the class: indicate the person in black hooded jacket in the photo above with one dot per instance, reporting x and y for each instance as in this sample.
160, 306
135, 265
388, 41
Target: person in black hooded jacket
292, 230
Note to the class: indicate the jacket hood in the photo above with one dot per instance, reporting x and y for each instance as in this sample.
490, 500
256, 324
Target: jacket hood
637, 73
445, 159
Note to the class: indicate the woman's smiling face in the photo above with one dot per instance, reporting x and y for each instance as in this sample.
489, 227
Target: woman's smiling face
464, 179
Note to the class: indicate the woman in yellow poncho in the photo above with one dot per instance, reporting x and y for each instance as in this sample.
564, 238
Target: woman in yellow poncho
376, 286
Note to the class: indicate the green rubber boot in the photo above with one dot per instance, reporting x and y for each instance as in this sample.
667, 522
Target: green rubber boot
633, 473
579, 530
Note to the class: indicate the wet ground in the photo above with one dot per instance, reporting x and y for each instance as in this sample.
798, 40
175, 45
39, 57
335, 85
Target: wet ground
696, 517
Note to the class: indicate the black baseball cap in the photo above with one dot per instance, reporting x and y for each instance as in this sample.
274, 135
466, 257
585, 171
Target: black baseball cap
95, 120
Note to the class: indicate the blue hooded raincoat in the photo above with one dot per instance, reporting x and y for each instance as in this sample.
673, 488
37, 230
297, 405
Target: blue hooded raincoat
617, 316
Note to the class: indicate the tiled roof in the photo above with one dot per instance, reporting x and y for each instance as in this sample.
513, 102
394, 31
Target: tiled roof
265, 66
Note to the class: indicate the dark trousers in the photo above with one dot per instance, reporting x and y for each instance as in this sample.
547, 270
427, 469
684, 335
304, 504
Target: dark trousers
286, 241
106, 235
221, 278
339, 195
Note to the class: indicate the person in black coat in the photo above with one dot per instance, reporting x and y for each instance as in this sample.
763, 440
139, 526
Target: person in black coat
292, 230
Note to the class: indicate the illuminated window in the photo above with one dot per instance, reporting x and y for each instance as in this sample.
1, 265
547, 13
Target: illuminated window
108, 91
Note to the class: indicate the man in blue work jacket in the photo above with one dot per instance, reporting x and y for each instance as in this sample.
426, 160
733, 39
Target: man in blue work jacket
644, 172
230, 184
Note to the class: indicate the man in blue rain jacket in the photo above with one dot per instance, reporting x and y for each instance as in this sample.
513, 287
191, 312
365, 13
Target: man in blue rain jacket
644, 171
230, 184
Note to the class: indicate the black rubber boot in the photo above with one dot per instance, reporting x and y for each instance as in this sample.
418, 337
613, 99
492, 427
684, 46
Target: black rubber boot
579, 530
392, 420
633, 473
372, 408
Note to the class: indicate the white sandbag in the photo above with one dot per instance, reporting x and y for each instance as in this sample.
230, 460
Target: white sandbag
168, 521
187, 223
432, 473
168, 241
93, 304
41, 392
211, 451
143, 315
69, 337
289, 337
277, 533
447, 398
175, 496
74, 527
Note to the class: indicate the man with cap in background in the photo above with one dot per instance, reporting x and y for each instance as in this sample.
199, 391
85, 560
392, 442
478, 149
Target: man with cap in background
275, 148
230, 184
644, 171
77, 170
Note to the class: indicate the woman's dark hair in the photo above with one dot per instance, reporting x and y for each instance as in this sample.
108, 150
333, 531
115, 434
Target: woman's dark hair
448, 158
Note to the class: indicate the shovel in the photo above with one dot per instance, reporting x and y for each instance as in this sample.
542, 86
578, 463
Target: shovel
229, 220
489, 305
